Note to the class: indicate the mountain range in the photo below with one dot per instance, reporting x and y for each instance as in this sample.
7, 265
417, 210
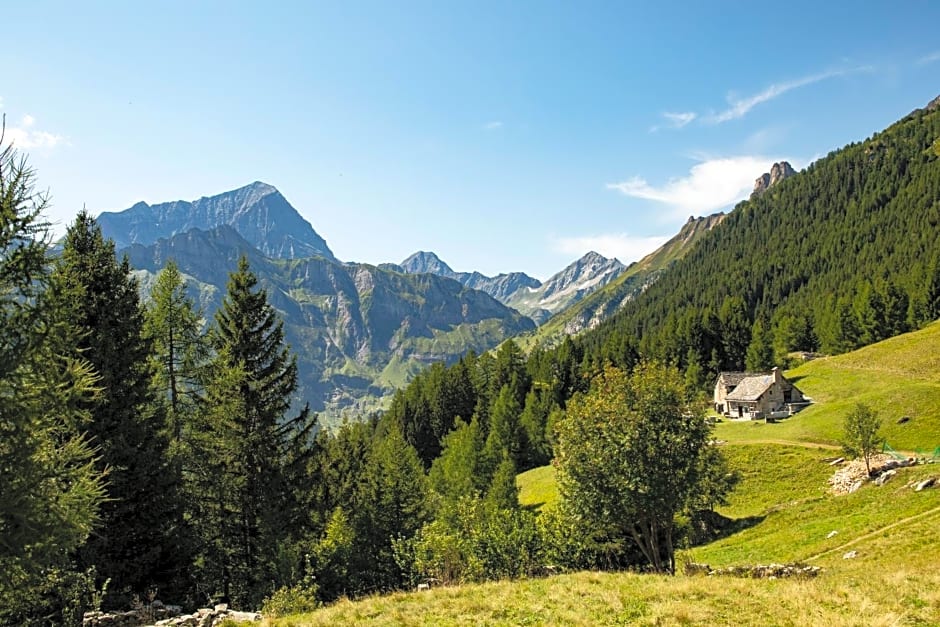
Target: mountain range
361, 331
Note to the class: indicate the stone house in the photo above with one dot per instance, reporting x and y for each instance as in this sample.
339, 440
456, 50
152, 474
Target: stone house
757, 395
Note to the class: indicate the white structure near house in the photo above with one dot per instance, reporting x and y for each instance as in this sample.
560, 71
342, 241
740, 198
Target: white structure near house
757, 395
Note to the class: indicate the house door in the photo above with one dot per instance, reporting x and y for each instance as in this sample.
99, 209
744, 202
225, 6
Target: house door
740, 411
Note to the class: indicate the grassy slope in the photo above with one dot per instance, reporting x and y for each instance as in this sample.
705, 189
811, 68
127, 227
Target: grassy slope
786, 513
898, 377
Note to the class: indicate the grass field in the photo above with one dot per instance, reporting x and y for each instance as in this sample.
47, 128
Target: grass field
785, 513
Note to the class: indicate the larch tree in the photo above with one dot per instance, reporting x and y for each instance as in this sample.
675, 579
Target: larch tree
50, 491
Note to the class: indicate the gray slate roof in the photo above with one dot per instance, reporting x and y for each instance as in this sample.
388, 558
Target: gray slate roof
750, 388
731, 379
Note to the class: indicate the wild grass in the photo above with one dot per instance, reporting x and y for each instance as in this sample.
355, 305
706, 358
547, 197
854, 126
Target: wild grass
537, 487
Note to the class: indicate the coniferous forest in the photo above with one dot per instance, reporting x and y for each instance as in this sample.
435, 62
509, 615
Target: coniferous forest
145, 447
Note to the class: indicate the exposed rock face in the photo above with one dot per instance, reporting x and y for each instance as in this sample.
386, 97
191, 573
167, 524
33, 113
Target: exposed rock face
583, 277
778, 172
934, 104
258, 212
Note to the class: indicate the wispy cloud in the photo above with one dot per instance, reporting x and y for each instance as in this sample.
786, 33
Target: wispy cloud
493, 125
710, 185
929, 58
675, 120
742, 106
627, 248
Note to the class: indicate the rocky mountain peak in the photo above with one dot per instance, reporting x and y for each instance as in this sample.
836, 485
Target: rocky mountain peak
425, 262
778, 172
934, 104
258, 212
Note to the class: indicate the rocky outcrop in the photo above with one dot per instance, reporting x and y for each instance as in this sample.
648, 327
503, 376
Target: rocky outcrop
778, 172
934, 104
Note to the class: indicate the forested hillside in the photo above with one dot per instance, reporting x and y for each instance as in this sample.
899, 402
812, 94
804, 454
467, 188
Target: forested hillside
841, 255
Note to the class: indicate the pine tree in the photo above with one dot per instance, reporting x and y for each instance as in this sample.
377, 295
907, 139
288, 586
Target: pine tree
760, 352
136, 545
49, 490
248, 450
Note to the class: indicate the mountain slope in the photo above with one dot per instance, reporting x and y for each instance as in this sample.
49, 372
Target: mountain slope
258, 212
358, 331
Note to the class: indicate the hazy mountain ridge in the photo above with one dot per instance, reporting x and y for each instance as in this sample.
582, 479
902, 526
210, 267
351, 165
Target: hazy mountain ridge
604, 302
500, 287
258, 212
526, 294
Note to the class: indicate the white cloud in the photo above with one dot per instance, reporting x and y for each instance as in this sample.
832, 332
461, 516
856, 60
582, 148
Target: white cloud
24, 138
627, 248
741, 106
492, 126
929, 58
710, 185
28, 120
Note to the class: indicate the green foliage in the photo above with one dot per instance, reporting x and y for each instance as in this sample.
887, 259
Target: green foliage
136, 547
173, 325
391, 503
247, 457
862, 436
760, 352
480, 542
631, 456
459, 471
297, 599
50, 491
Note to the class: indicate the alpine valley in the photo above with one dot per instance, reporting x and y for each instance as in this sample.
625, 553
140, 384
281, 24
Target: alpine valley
359, 331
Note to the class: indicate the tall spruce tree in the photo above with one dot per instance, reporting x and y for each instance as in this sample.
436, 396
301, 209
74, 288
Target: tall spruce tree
94, 294
247, 447
49, 490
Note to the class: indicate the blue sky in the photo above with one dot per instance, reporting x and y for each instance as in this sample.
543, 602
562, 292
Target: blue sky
503, 136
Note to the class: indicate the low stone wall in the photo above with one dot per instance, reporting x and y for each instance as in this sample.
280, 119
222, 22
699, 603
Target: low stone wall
756, 571
158, 614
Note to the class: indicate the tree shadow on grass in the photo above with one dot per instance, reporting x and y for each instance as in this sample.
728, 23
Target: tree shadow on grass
708, 526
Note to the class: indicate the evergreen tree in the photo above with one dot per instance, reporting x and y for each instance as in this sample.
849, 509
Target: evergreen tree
760, 352
50, 491
136, 547
174, 326
506, 433
246, 445
391, 504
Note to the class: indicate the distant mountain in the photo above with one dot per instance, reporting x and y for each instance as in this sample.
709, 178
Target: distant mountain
604, 302
501, 287
586, 275
359, 331
258, 212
